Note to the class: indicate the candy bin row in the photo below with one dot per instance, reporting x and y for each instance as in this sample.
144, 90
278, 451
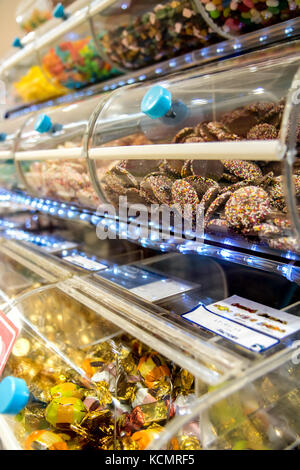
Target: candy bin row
74, 380
105, 39
134, 34
222, 159
63, 177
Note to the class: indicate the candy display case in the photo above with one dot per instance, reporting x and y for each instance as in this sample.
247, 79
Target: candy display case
49, 154
223, 156
136, 34
56, 61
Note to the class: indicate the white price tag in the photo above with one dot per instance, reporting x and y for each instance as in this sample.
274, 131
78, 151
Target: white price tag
59, 246
160, 289
86, 263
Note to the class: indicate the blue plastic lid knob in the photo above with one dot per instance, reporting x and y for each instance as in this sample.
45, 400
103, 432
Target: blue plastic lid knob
157, 102
17, 43
3, 136
14, 395
43, 124
59, 12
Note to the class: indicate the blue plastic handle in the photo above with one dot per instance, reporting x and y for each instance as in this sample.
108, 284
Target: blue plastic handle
43, 124
59, 12
17, 43
3, 136
157, 102
14, 395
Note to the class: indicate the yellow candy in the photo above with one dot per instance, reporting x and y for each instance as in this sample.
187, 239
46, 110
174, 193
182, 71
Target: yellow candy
37, 86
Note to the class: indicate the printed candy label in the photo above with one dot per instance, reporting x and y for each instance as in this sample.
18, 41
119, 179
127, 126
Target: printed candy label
244, 322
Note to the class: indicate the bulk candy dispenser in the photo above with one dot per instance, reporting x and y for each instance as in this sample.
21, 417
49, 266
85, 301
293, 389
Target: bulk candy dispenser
220, 148
71, 58
49, 154
135, 34
10, 130
90, 385
31, 14
242, 16
260, 413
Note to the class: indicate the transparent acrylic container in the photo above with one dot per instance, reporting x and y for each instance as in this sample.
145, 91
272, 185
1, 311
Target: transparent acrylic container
26, 81
221, 149
70, 58
49, 154
17, 278
31, 14
136, 34
239, 17
10, 130
258, 414
122, 383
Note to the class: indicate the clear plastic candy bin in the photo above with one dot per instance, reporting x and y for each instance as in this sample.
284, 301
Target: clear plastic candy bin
221, 149
31, 14
49, 154
91, 385
242, 16
135, 34
10, 130
261, 414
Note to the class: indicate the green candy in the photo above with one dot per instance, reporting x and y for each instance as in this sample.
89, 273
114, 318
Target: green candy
274, 10
215, 14
240, 445
63, 411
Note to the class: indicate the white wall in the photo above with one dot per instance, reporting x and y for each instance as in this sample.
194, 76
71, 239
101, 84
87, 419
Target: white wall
8, 26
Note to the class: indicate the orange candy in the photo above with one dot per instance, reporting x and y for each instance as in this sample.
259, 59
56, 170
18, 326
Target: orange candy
45, 440
152, 368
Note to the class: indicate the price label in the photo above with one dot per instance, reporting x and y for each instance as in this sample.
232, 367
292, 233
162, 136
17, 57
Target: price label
146, 284
8, 336
84, 262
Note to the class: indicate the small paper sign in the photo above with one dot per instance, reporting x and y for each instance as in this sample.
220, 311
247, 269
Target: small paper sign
8, 336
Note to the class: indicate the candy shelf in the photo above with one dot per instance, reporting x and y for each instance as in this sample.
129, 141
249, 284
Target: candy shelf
215, 53
17, 64
221, 369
